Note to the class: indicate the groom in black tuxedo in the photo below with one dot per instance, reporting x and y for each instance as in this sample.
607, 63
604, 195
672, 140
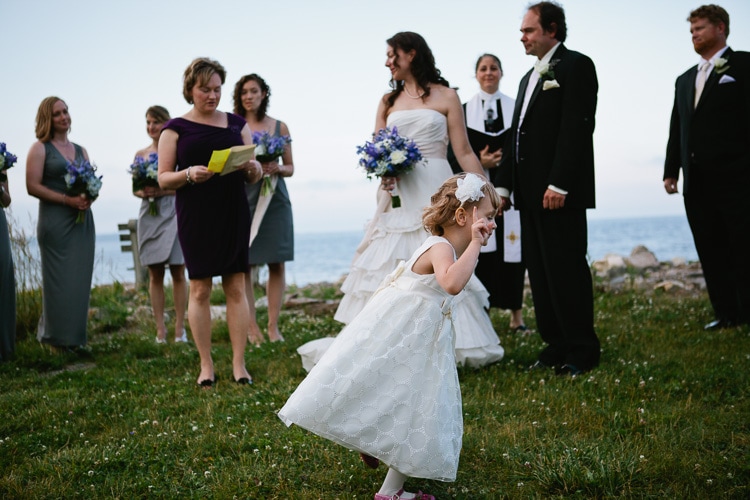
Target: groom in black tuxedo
709, 138
549, 165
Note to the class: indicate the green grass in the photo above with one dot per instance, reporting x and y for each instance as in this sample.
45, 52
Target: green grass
666, 415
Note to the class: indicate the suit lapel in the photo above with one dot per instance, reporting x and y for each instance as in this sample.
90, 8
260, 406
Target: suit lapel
711, 81
557, 56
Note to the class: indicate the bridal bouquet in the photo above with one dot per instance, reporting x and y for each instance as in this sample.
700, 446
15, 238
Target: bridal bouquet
81, 179
269, 148
389, 155
145, 173
7, 160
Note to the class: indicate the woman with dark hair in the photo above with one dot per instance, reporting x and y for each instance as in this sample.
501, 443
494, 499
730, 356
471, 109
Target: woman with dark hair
158, 245
272, 228
488, 116
213, 221
66, 246
425, 109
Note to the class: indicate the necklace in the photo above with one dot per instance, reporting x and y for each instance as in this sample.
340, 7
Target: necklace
413, 96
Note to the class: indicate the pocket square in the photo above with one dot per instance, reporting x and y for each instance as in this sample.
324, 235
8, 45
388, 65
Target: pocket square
550, 84
726, 79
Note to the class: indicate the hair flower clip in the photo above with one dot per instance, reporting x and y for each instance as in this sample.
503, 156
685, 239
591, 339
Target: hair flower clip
470, 188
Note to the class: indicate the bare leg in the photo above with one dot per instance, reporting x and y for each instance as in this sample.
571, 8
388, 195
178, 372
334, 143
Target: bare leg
156, 291
238, 320
275, 293
179, 294
253, 333
199, 315
516, 318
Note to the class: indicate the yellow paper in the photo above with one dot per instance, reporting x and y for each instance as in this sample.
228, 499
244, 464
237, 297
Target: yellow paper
226, 161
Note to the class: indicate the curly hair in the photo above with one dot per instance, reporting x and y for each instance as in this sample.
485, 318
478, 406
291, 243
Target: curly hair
43, 127
199, 73
422, 67
443, 205
714, 14
158, 113
262, 109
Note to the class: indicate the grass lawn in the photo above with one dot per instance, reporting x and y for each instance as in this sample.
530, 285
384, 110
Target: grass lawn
666, 415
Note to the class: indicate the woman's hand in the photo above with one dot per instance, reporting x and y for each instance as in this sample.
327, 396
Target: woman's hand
253, 171
80, 202
200, 173
271, 167
388, 183
490, 160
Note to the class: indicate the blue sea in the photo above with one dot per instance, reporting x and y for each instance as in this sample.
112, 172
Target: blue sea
323, 257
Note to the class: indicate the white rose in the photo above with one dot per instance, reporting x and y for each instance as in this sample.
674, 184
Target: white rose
550, 84
397, 157
542, 68
260, 150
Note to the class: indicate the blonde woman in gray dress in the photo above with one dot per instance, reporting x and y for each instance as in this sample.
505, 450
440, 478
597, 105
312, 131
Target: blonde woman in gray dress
158, 245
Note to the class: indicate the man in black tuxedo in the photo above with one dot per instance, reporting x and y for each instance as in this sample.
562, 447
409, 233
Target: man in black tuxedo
709, 138
549, 165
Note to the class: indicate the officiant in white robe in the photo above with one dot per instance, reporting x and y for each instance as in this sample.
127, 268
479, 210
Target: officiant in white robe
488, 116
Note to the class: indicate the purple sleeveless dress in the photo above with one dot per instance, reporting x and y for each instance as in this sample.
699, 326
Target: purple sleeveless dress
213, 218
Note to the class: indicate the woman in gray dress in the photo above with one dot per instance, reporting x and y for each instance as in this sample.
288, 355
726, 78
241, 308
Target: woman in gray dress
157, 239
66, 247
272, 228
7, 280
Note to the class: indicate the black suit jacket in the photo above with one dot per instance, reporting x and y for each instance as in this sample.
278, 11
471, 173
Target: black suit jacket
555, 145
714, 135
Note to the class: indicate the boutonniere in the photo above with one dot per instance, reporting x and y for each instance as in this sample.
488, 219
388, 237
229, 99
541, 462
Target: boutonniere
547, 74
720, 65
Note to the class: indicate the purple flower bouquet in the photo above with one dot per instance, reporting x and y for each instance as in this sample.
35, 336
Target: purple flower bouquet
81, 179
388, 155
269, 148
7, 160
145, 173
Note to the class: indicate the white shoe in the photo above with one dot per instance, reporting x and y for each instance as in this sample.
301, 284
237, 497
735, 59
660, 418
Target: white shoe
183, 338
161, 341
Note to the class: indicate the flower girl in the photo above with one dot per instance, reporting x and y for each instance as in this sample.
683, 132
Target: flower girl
388, 387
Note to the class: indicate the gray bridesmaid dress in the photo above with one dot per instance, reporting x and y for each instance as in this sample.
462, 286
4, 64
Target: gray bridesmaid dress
7, 294
67, 251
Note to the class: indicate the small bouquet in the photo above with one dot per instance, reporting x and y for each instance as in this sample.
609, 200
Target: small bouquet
145, 173
7, 160
81, 179
269, 148
389, 155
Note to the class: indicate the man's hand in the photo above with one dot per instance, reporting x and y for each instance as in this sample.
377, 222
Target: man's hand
670, 185
553, 200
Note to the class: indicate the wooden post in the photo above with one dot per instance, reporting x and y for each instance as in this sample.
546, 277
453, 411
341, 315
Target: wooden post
131, 236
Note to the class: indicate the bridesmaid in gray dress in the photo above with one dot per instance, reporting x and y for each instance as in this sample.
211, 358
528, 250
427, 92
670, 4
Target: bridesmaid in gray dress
67, 248
7, 280
272, 229
157, 239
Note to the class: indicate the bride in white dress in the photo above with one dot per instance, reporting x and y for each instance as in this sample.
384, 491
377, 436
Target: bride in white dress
425, 109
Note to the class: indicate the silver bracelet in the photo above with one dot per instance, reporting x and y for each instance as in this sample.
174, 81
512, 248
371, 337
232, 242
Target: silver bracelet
187, 176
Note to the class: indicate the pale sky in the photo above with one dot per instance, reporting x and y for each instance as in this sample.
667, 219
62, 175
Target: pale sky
324, 61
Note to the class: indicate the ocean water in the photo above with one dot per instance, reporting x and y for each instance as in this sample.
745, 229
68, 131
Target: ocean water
326, 256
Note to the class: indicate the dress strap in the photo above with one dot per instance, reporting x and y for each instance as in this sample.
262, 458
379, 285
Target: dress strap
277, 130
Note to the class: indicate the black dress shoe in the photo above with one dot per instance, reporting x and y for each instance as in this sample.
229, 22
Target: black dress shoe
568, 370
539, 366
718, 324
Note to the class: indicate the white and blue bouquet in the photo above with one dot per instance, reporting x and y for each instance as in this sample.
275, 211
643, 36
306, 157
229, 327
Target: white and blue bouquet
145, 173
81, 179
389, 155
7, 160
269, 148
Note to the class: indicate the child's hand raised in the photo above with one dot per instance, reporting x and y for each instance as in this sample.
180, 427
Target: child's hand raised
480, 230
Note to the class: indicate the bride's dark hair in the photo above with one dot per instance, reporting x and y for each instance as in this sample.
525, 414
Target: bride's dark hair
422, 66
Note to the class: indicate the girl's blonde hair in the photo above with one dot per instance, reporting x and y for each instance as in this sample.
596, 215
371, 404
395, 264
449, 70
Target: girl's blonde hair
43, 128
443, 204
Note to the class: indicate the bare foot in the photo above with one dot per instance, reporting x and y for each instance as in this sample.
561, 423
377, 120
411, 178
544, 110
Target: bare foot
274, 335
254, 336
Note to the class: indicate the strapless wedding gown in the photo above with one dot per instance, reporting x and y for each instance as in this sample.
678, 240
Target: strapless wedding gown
394, 234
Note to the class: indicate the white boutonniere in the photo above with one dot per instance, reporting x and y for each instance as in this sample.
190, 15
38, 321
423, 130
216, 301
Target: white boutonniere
547, 74
720, 65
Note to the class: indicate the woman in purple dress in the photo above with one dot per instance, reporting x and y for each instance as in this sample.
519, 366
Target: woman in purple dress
213, 219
